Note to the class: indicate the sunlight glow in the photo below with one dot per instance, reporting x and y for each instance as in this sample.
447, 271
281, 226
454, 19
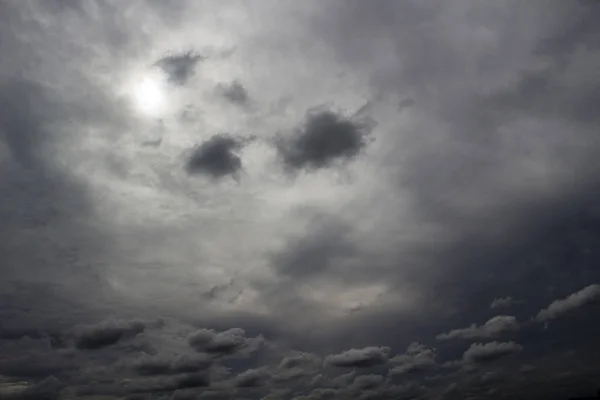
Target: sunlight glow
149, 94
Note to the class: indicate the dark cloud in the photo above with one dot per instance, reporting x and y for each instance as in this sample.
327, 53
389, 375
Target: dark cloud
179, 67
216, 157
168, 384
326, 137
495, 327
588, 295
223, 343
161, 365
106, 333
492, 351
359, 358
47, 389
234, 92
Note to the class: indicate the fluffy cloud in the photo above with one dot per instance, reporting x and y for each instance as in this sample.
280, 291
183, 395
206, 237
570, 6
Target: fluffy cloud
223, 343
502, 302
359, 358
589, 294
418, 358
493, 328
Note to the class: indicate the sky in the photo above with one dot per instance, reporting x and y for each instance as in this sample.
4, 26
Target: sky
299, 200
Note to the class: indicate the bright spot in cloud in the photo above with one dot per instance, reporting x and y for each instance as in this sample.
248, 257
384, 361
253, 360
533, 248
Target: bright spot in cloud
149, 94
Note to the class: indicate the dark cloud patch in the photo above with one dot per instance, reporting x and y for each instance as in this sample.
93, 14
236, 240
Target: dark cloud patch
216, 157
489, 352
179, 67
588, 295
359, 358
93, 337
234, 92
493, 328
326, 137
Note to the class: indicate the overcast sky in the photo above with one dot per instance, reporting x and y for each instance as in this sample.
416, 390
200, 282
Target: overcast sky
309, 200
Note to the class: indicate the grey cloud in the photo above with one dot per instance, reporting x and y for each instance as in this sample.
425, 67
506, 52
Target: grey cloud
418, 358
47, 389
179, 67
327, 245
234, 92
252, 378
106, 333
492, 351
343, 380
326, 137
359, 358
300, 360
223, 343
216, 157
367, 382
502, 302
168, 384
161, 365
493, 328
588, 295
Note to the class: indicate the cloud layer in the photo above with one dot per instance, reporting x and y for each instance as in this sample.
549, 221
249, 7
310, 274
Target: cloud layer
299, 200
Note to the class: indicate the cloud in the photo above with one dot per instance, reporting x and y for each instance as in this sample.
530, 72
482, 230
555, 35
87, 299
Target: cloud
493, 328
588, 295
234, 92
492, 351
47, 389
367, 382
168, 384
252, 378
216, 157
300, 360
327, 245
502, 302
179, 67
161, 365
223, 343
359, 358
324, 138
418, 358
107, 333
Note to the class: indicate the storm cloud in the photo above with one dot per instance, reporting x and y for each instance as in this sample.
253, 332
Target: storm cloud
416, 218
